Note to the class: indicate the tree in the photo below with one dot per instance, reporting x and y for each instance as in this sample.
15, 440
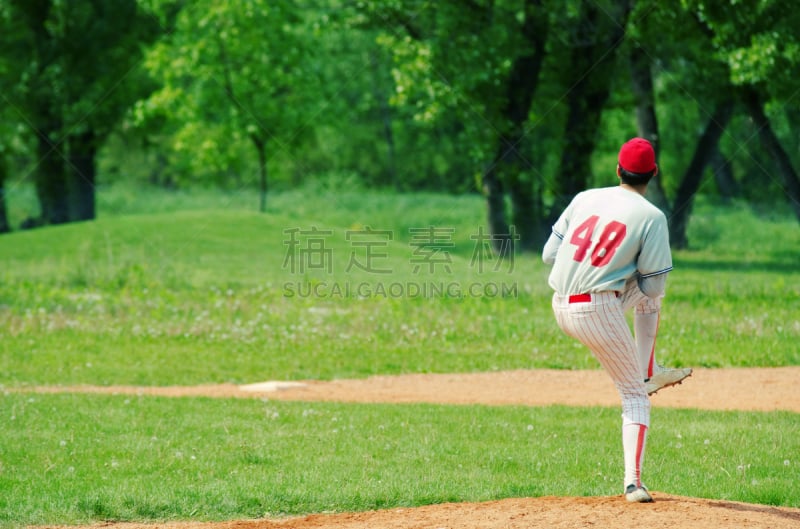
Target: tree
453, 65
450, 60
758, 42
699, 76
753, 101
520, 90
4, 226
240, 68
597, 33
703, 155
7, 67
75, 83
486, 62
646, 119
39, 90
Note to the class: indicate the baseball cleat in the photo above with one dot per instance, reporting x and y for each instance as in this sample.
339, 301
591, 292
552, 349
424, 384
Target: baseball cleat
636, 494
664, 377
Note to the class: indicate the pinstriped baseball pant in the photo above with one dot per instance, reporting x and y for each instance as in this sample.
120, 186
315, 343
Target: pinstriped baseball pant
600, 324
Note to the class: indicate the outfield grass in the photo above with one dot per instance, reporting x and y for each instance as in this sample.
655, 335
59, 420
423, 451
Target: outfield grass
190, 288
82, 458
201, 296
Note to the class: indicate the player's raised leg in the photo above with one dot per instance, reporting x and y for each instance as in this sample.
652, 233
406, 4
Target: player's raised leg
646, 317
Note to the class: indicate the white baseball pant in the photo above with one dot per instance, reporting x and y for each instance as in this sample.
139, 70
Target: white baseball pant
598, 321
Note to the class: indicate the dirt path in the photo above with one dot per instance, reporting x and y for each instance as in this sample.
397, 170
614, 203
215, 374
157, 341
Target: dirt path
715, 389
753, 389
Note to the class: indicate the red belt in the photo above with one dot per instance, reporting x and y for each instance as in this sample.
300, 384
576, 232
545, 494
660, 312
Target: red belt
583, 298
580, 298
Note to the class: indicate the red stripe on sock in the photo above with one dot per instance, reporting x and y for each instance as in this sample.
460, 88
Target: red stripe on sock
639, 451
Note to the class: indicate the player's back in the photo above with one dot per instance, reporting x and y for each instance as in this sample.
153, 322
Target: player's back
604, 232
617, 203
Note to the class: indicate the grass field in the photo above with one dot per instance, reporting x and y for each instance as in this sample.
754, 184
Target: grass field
191, 288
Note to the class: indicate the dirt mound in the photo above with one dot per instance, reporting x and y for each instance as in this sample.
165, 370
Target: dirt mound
668, 512
717, 389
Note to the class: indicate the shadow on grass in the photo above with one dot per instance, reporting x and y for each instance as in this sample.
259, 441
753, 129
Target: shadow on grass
778, 512
761, 509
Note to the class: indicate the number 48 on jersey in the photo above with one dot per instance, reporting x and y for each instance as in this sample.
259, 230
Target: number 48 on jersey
602, 252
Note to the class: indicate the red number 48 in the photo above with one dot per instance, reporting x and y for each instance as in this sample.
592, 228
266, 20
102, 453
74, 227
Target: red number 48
610, 239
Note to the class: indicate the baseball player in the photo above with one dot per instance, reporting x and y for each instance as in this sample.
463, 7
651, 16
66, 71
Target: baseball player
610, 253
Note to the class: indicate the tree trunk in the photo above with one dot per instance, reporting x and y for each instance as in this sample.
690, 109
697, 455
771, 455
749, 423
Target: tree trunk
690, 183
50, 177
723, 174
260, 145
4, 226
791, 184
592, 61
82, 157
527, 215
385, 110
258, 142
51, 180
495, 209
388, 134
646, 120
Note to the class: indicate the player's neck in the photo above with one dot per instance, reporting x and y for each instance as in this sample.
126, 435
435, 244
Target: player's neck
635, 189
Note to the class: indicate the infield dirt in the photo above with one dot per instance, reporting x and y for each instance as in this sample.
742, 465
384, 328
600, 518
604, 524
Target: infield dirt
715, 389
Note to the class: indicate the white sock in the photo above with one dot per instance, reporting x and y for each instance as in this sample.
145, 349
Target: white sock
645, 329
634, 439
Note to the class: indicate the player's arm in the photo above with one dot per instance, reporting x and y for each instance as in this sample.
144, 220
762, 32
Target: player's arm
551, 248
653, 286
557, 235
655, 260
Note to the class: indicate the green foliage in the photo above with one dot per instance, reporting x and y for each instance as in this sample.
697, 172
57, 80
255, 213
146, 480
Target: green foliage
73, 72
452, 64
79, 59
756, 40
403, 94
339, 80
234, 75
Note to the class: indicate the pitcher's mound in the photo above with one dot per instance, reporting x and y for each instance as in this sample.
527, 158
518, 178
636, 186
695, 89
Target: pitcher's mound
668, 512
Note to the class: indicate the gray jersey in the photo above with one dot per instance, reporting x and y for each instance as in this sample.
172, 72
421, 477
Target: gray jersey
604, 237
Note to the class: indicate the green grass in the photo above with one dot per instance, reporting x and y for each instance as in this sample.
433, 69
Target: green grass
74, 459
203, 296
194, 287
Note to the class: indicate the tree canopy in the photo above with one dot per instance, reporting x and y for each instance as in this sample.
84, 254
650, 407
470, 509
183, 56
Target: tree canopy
525, 101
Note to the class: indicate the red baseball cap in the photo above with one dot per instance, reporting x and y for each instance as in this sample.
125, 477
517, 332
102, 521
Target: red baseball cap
637, 156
